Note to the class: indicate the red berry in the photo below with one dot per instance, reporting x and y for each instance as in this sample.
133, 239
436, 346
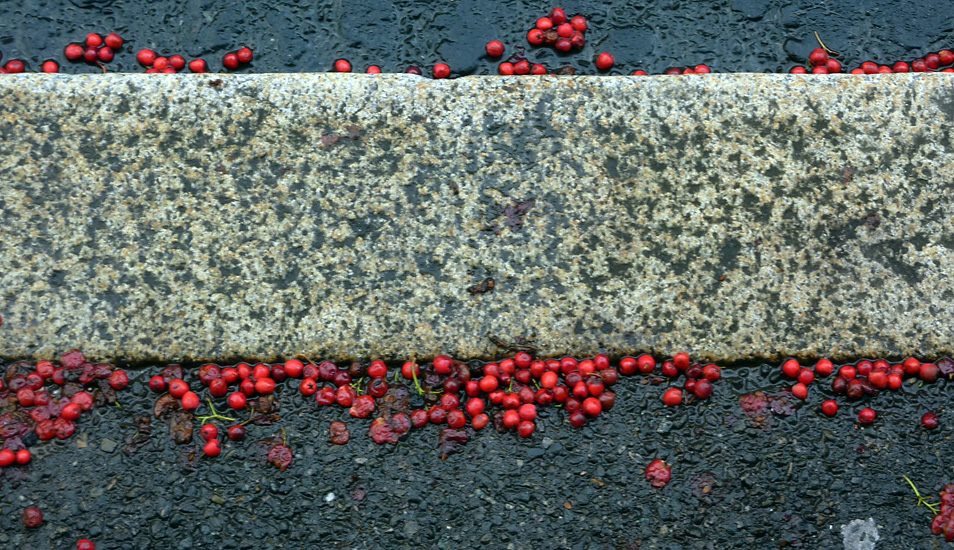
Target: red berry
71, 411
645, 363
527, 412
410, 369
703, 69
929, 372
558, 16
73, 52
362, 406
833, 66
824, 367
946, 57
848, 372
230, 61
511, 418
114, 41
85, 544
480, 421
495, 48
658, 473
83, 399
911, 366
544, 23
549, 380
342, 66
563, 45
198, 66
443, 364
895, 381
798, 70
456, 418
377, 369
869, 67
209, 431
25, 397
829, 407
565, 30
23, 456
703, 389
32, 517
577, 40
146, 57
190, 401
672, 397
806, 376
930, 421
711, 372
118, 379
866, 416
579, 23
604, 61
177, 62
90, 55
237, 432
488, 384
933, 61
791, 368
212, 447
592, 406
628, 366
265, 386
441, 70
244, 55
818, 57
178, 388
7, 457
526, 428
94, 40
878, 379
800, 390
237, 400
681, 360
901, 67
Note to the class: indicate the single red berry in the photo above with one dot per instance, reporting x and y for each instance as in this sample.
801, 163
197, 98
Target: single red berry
73, 52
526, 428
23, 456
711, 372
577, 40
911, 366
511, 418
118, 379
806, 376
933, 61
345, 396
791, 368
565, 30
244, 55
230, 61
488, 384
579, 23
895, 381
833, 66
377, 369
820, 70
414, 70
558, 16
549, 380
527, 411
237, 400
14, 66
901, 67
605, 61
672, 397
7, 458
681, 360
544, 23
85, 544
198, 66
480, 421
798, 70
930, 421
878, 379
829, 407
178, 388
237, 432
177, 62
93, 40
703, 389
563, 45
146, 57
443, 364
847, 372
645, 363
264, 386
362, 406
410, 369
209, 431
32, 517
577, 419
374, 69
818, 57
703, 69
308, 387
866, 416
157, 384
688, 71
592, 406
441, 70
628, 366
212, 448
869, 67
658, 473
824, 367
190, 401
261, 371
456, 418
114, 41
946, 57
83, 399
800, 390
495, 48
25, 397
71, 411
929, 372
342, 66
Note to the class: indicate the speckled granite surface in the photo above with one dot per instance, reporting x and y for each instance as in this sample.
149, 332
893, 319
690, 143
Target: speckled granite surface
735, 216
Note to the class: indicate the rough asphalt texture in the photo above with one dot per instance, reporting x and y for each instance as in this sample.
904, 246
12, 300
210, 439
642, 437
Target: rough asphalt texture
734, 216
792, 483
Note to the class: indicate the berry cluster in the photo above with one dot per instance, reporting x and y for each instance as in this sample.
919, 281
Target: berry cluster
866, 378
45, 401
232, 60
944, 522
820, 62
699, 378
97, 50
155, 63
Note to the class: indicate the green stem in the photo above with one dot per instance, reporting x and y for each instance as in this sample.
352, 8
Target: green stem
214, 414
932, 506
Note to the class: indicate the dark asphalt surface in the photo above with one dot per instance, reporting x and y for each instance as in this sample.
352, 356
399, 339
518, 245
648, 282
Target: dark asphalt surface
791, 483
293, 36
